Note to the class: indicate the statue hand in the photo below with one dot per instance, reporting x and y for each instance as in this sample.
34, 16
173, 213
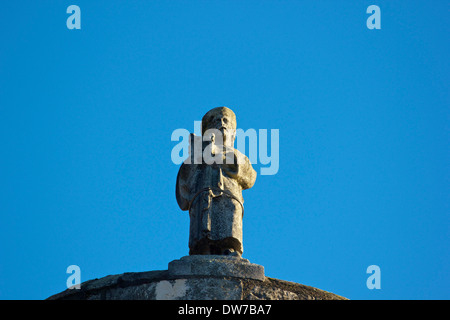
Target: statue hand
230, 161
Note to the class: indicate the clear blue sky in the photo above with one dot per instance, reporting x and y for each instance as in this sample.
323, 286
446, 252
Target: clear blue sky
86, 117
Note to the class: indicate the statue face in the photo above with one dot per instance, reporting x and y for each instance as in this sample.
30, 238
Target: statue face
222, 119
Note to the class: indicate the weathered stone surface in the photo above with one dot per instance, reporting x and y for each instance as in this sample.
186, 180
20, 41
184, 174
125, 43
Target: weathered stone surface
134, 284
162, 285
213, 289
171, 290
210, 184
275, 289
215, 266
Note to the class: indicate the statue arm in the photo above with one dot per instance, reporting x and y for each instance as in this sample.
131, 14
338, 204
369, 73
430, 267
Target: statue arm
242, 170
182, 190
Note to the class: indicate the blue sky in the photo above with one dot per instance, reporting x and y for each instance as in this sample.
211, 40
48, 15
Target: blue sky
86, 117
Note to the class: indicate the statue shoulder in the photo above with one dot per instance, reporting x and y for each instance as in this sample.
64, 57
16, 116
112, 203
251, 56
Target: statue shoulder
243, 170
185, 177
242, 158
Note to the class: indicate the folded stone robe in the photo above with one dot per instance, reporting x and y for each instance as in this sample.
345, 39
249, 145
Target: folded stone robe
213, 196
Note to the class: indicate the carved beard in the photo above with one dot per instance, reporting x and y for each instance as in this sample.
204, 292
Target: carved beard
228, 136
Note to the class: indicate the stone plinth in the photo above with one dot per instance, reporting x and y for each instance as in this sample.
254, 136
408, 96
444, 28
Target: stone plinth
215, 266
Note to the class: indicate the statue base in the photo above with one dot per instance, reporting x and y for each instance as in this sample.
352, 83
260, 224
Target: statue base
227, 278
215, 266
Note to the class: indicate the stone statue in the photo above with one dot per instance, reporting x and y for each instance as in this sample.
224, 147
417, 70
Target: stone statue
210, 183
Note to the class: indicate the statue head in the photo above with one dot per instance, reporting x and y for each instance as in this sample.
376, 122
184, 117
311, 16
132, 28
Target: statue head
222, 119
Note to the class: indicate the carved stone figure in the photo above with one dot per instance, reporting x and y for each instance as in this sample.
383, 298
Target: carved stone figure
210, 183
